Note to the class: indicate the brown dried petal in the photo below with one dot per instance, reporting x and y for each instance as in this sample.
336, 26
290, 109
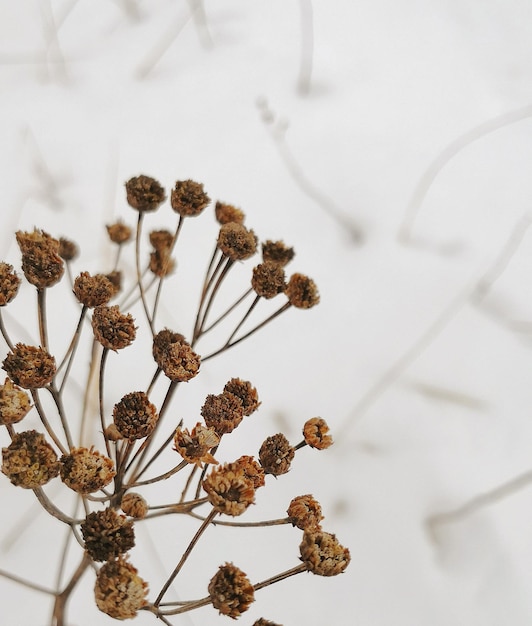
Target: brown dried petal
30, 367
113, 329
229, 490
14, 403
230, 591
85, 470
322, 553
9, 283
194, 446
107, 534
276, 455
188, 198
29, 461
144, 193
252, 470
119, 591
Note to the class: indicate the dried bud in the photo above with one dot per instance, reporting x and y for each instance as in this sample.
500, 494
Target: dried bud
316, 434
161, 239
222, 412
229, 490
302, 292
244, 390
276, 454
30, 367
268, 279
115, 278
113, 329
322, 554
305, 513
135, 416
119, 233
14, 403
175, 356
134, 505
188, 198
107, 534
237, 242
226, 213
251, 469
29, 461
41, 263
144, 193
119, 591
85, 470
161, 263
194, 446
230, 591
9, 283
265, 622
277, 252
68, 250
93, 291
112, 433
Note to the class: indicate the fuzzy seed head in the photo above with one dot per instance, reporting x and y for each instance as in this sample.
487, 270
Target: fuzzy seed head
244, 390
85, 470
268, 279
230, 591
134, 505
107, 534
9, 283
144, 193
229, 490
222, 412
119, 233
174, 355
252, 470
135, 416
237, 242
30, 367
277, 252
68, 250
305, 513
29, 461
41, 263
93, 291
276, 455
302, 292
322, 553
14, 403
316, 433
119, 591
188, 198
113, 329
265, 622
226, 213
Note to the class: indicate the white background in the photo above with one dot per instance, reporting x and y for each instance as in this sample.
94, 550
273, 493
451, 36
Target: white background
419, 353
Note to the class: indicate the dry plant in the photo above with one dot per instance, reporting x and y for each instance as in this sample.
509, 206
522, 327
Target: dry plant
111, 474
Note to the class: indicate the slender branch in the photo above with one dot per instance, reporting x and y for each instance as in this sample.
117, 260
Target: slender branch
4, 332
26, 583
100, 399
41, 308
139, 276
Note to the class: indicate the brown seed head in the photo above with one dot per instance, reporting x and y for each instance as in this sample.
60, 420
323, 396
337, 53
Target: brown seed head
14, 403
29, 461
135, 416
277, 252
265, 622
144, 193
134, 505
112, 433
322, 554
41, 263
68, 250
9, 283
30, 367
222, 412
161, 263
268, 279
119, 591
174, 355
276, 454
85, 470
251, 469
188, 198
226, 213
305, 513
194, 447
315, 432
302, 292
93, 291
237, 242
107, 534
244, 390
113, 329
115, 278
230, 591
161, 239
119, 233
229, 490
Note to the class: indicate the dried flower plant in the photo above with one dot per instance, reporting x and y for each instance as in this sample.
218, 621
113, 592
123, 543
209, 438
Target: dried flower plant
108, 475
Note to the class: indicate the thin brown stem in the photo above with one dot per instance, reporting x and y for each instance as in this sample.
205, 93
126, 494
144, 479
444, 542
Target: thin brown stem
70, 353
58, 616
139, 277
227, 312
4, 332
26, 583
298, 569
100, 399
41, 308
45, 422
165, 268
164, 476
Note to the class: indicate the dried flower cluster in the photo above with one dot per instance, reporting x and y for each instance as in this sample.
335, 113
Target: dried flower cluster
109, 457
